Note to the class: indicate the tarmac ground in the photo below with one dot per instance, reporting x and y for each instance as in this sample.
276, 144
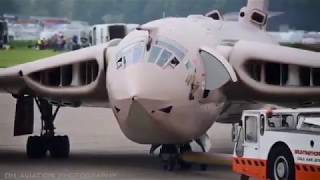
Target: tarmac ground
99, 150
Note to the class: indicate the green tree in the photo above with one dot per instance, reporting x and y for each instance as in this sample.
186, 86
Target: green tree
7, 6
298, 14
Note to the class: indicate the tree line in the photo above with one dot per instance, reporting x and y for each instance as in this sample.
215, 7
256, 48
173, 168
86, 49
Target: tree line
298, 14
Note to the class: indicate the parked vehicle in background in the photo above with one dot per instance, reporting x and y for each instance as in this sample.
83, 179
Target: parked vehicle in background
102, 33
4, 39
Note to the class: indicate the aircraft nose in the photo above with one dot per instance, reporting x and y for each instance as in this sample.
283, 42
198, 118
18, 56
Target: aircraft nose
147, 110
152, 104
147, 81
152, 86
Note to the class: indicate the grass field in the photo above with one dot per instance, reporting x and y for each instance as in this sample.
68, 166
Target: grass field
22, 55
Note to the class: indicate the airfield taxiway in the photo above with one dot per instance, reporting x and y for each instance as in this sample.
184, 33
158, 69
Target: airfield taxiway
98, 150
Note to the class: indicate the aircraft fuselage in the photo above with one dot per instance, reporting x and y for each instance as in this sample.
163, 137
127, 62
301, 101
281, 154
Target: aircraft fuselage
156, 78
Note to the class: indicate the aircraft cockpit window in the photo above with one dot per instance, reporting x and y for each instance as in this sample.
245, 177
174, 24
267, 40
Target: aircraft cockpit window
121, 63
162, 53
174, 62
189, 65
164, 58
134, 54
131, 55
179, 52
154, 54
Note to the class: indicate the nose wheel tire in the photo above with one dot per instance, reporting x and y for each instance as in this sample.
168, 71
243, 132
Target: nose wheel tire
281, 166
185, 148
170, 164
203, 167
169, 157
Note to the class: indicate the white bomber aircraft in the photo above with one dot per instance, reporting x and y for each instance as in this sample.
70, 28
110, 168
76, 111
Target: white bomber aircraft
167, 82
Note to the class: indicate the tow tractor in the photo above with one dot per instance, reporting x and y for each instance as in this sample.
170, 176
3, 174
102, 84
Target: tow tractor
278, 144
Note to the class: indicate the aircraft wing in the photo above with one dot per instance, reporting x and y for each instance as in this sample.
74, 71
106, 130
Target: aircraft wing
72, 79
274, 74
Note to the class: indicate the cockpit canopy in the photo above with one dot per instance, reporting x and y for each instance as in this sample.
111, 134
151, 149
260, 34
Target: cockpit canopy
162, 53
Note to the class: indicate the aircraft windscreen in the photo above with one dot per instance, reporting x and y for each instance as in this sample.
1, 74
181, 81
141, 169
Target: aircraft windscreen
131, 55
166, 55
134, 54
179, 52
164, 58
161, 53
154, 53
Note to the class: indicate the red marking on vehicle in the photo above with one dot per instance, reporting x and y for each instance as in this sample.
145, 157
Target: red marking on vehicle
307, 153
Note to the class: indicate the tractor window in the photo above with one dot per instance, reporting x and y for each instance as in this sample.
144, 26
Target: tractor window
240, 141
251, 129
308, 122
282, 121
262, 121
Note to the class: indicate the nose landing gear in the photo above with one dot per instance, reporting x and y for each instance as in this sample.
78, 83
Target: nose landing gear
171, 156
37, 146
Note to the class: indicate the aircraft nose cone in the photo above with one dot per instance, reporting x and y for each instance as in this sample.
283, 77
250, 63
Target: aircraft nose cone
152, 86
152, 105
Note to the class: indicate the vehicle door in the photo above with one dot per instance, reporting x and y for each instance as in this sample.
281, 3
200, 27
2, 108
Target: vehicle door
251, 135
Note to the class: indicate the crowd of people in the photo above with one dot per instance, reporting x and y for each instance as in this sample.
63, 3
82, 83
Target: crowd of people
59, 42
